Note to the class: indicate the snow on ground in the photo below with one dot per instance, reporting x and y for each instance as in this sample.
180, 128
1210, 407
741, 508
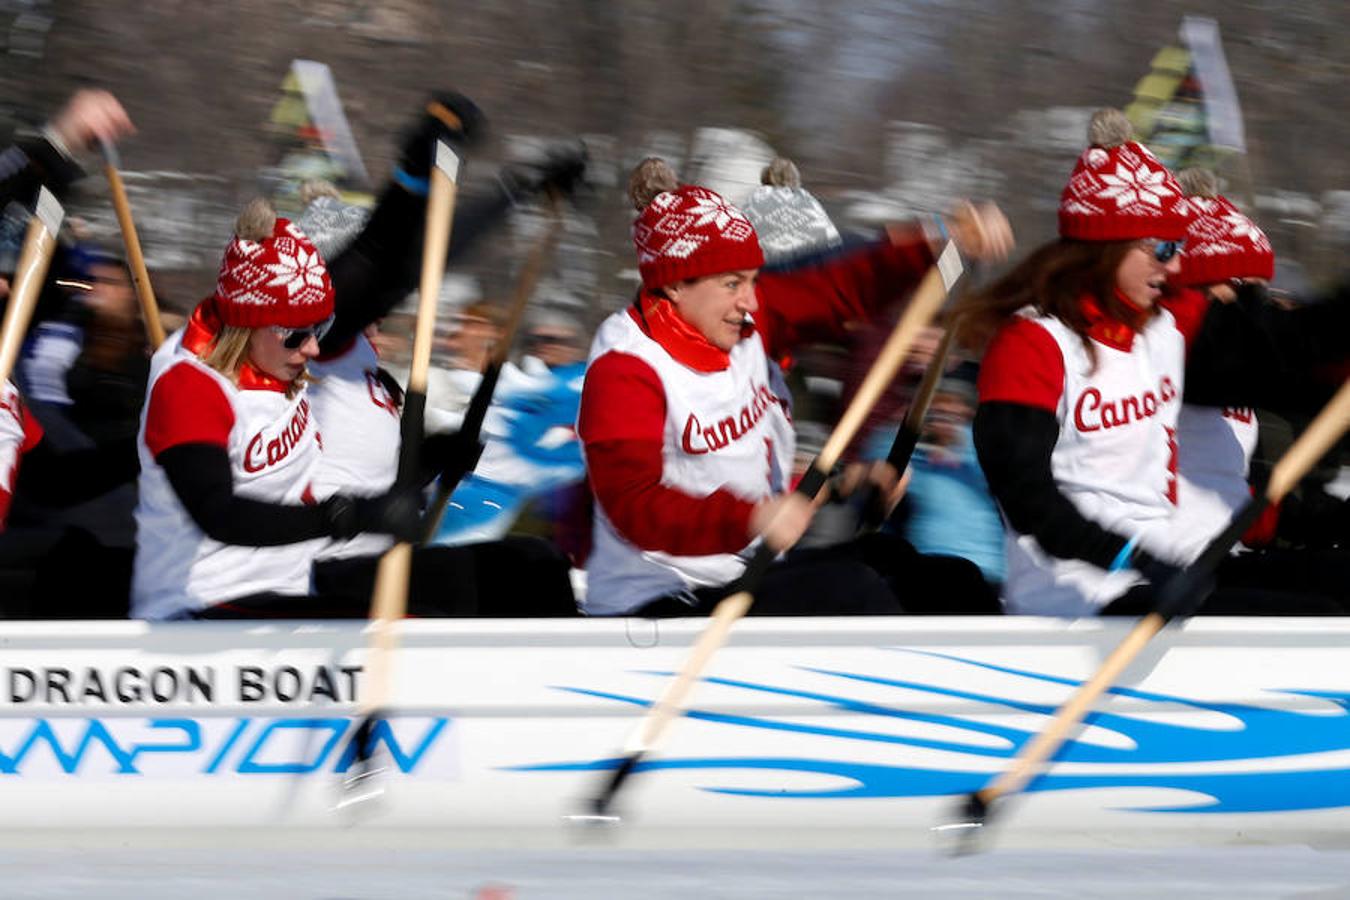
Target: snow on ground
325, 874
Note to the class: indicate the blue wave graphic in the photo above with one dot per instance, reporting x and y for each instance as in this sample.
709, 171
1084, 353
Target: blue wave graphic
1256, 733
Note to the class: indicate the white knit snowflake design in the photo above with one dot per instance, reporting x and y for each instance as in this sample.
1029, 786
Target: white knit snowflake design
1239, 226
296, 270
683, 247
715, 210
1130, 186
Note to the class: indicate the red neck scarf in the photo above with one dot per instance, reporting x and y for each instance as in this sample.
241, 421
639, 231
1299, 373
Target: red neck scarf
657, 317
1110, 331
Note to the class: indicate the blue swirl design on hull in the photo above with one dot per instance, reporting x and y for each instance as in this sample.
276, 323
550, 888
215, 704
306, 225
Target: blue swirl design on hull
1260, 734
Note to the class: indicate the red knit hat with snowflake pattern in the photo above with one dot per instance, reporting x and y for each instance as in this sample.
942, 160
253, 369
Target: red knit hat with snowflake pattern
690, 232
1222, 243
1119, 191
271, 274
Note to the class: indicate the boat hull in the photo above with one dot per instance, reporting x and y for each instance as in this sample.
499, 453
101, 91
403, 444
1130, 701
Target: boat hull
1223, 730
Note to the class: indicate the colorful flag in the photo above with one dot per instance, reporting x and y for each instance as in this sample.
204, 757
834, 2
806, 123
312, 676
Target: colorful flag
1186, 108
316, 139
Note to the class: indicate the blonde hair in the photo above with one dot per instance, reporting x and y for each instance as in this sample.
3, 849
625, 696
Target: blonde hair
228, 354
229, 351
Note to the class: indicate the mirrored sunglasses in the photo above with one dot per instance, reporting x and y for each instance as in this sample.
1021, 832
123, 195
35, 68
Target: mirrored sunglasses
294, 338
1164, 251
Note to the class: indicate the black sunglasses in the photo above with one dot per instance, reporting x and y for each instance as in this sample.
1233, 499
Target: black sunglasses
294, 338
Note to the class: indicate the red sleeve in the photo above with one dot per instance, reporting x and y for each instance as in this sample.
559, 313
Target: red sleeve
1188, 307
814, 303
622, 428
187, 407
32, 431
31, 436
1022, 365
621, 398
1261, 533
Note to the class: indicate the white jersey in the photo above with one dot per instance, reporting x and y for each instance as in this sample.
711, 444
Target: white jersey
1115, 460
726, 430
1216, 447
360, 425
274, 448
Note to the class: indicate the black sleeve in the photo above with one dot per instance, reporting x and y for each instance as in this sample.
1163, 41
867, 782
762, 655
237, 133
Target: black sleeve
200, 475
383, 264
31, 162
1014, 443
54, 477
1251, 352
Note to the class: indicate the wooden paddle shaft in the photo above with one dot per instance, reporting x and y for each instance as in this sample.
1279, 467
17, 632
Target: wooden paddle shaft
529, 280
927, 300
727, 614
1068, 716
923, 306
389, 601
1320, 435
932, 376
440, 212
140, 277
39, 243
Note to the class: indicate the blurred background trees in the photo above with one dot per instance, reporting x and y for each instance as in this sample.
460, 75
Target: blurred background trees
888, 106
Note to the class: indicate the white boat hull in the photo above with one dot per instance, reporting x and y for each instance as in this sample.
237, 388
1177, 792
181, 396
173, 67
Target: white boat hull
1227, 730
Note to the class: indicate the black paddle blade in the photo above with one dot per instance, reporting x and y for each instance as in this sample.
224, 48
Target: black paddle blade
364, 780
599, 809
963, 831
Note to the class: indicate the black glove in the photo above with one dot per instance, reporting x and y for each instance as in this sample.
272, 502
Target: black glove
420, 138
450, 456
563, 168
1176, 591
1252, 295
397, 513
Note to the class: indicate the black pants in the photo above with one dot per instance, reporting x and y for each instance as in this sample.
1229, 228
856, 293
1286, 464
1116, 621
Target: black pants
62, 573
878, 574
514, 577
1264, 583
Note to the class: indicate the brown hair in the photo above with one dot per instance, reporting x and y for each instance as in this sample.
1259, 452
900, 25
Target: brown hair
1053, 280
228, 353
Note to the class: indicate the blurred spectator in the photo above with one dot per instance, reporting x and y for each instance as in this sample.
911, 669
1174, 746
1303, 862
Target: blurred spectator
947, 508
87, 405
529, 436
59, 466
554, 339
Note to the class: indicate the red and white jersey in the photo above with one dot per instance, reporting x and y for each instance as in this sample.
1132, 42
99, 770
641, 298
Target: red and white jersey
19, 433
274, 450
724, 431
360, 422
1116, 455
1216, 447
